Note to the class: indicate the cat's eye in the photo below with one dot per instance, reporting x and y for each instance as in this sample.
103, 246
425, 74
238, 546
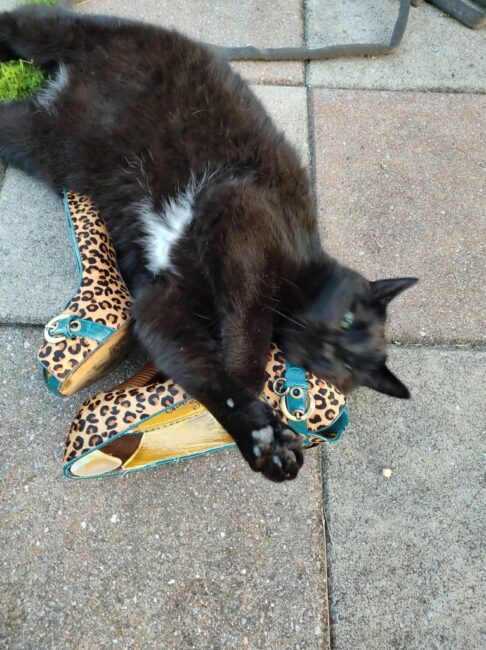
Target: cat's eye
348, 320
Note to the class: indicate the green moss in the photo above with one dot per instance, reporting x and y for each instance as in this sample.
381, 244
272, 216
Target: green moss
19, 79
42, 2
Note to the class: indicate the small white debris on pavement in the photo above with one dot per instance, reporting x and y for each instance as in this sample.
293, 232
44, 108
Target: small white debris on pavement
386, 472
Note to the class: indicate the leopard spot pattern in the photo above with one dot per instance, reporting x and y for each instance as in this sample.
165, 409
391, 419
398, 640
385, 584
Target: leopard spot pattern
102, 296
107, 414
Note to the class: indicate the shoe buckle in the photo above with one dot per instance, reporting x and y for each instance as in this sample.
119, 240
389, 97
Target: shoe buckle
298, 415
49, 330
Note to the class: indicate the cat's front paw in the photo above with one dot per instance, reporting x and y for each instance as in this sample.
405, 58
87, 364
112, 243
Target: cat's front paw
276, 451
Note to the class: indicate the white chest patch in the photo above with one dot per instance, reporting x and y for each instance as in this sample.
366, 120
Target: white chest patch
47, 95
163, 228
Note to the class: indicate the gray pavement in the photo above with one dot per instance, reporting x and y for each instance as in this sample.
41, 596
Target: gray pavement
401, 188
407, 552
36, 256
199, 554
437, 52
204, 554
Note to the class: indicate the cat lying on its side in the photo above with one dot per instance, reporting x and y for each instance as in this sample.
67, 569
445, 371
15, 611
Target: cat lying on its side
210, 211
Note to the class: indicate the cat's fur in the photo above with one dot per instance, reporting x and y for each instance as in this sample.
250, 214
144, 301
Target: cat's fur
210, 211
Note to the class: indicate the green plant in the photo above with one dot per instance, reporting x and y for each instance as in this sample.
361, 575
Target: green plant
19, 79
42, 2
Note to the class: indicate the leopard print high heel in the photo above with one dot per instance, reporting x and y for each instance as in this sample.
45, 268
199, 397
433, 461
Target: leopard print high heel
92, 334
144, 422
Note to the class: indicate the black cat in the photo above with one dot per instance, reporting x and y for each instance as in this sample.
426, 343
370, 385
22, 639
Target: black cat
210, 211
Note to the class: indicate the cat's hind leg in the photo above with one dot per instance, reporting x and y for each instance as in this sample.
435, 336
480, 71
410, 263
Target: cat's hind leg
40, 34
18, 144
48, 35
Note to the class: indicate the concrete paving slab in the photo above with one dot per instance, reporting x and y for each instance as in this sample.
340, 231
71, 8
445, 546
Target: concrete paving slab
288, 109
401, 186
407, 553
36, 256
276, 73
202, 554
224, 22
38, 269
437, 52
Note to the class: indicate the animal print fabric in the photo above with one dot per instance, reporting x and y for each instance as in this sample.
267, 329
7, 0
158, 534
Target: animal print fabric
102, 296
107, 414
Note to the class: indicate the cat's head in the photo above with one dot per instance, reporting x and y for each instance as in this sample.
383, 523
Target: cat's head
340, 334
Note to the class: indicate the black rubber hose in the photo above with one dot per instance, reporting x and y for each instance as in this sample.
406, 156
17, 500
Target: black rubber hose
250, 53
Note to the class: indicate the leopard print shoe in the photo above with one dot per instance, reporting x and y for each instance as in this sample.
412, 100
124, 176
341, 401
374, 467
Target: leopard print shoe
144, 422
92, 334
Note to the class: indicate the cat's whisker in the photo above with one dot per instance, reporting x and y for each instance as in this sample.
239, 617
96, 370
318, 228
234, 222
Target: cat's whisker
288, 281
297, 322
292, 320
195, 313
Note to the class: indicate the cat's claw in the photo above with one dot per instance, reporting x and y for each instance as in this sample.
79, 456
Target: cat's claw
277, 452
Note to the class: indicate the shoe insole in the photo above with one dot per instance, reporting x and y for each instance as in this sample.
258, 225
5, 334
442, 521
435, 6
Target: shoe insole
187, 430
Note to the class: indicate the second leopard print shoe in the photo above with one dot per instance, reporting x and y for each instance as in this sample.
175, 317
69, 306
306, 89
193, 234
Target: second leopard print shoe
92, 334
147, 422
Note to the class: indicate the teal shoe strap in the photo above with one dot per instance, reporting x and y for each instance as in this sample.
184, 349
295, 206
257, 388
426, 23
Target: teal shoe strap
71, 327
335, 431
296, 395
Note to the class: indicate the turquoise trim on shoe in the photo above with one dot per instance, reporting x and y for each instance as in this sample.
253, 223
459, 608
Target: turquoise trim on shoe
72, 237
87, 329
52, 384
335, 431
158, 463
295, 377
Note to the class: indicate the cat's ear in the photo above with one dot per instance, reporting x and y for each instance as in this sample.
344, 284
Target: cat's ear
386, 290
384, 381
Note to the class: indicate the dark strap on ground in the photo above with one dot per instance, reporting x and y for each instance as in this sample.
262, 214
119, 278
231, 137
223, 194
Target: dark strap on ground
250, 53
